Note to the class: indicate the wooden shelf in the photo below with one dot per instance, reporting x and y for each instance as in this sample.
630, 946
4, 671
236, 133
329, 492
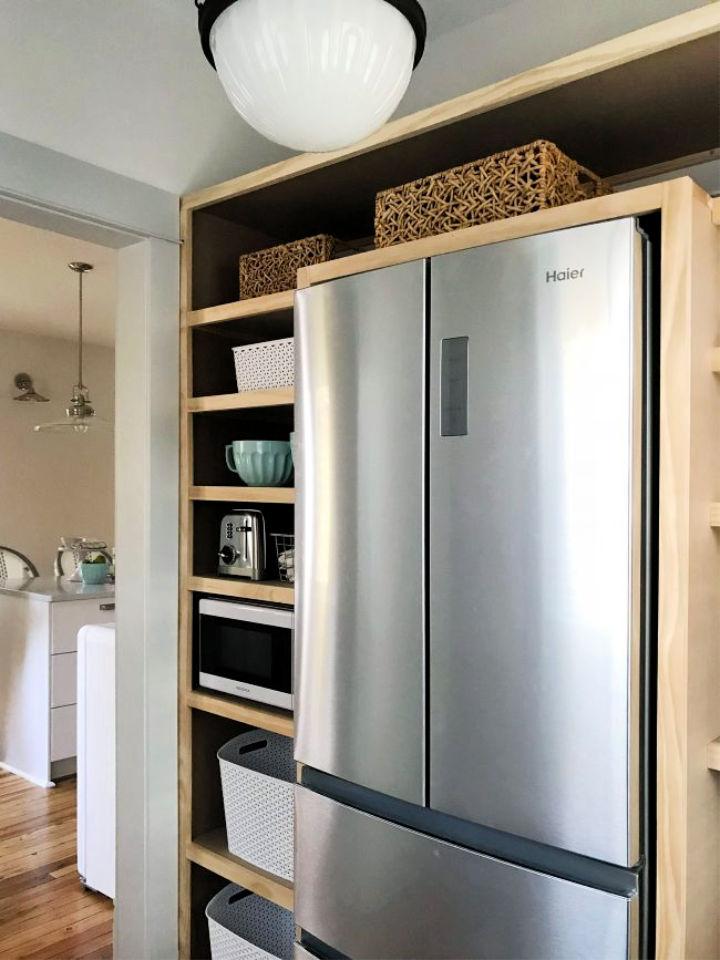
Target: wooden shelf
271, 591
210, 851
244, 494
256, 307
715, 515
715, 359
265, 718
252, 399
713, 754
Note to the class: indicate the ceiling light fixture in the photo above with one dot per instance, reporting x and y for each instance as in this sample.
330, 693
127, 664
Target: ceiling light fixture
80, 414
313, 75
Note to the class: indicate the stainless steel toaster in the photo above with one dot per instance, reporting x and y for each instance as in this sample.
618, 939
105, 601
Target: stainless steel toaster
243, 547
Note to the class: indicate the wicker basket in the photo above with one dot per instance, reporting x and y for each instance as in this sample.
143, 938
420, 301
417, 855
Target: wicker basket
265, 366
275, 269
243, 926
258, 775
521, 180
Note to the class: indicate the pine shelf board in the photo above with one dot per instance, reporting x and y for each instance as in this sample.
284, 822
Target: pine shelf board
715, 359
244, 494
715, 515
271, 591
255, 307
210, 852
251, 399
271, 719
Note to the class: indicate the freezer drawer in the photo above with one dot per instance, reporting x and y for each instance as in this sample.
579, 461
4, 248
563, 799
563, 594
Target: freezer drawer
535, 529
360, 453
370, 889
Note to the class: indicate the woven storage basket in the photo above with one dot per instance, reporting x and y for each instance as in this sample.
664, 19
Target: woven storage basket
275, 269
258, 773
243, 926
521, 180
265, 366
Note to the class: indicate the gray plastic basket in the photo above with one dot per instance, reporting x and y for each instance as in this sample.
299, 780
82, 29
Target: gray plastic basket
243, 926
258, 783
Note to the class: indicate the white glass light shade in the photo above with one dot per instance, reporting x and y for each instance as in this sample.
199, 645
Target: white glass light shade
314, 75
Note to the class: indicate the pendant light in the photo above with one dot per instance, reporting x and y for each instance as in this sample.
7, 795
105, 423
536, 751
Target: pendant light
80, 414
313, 75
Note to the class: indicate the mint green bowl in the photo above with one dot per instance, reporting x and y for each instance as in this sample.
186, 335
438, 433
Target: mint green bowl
95, 573
260, 463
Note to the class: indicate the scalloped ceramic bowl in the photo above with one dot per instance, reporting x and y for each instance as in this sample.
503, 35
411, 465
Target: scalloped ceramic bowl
260, 463
95, 573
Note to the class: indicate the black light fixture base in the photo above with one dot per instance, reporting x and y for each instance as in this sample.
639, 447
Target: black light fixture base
210, 10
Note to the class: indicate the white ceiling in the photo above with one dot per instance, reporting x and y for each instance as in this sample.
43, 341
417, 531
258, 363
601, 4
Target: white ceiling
123, 83
38, 293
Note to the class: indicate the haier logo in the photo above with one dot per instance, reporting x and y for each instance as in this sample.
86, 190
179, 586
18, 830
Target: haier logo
552, 276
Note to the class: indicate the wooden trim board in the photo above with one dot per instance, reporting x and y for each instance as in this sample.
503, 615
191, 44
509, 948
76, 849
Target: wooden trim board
688, 798
644, 42
265, 718
210, 851
249, 400
256, 307
243, 494
269, 591
630, 203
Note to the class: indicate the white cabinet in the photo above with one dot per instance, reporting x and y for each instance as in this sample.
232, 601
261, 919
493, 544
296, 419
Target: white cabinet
63, 732
63, 682
39, 624
67, 618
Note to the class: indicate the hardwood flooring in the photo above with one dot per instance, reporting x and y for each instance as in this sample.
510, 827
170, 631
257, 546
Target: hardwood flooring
44, 910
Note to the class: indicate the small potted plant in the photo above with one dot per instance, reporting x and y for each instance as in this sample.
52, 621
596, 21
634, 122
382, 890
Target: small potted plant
94, 569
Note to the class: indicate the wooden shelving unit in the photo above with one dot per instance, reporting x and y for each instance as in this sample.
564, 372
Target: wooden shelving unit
630, 107
213, 415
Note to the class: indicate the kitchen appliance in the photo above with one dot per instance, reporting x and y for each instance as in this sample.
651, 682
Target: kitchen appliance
475, 714
243, 546
96, 757
246, 650
73, 551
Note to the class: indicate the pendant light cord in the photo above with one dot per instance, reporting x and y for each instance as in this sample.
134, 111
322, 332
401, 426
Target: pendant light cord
80, 324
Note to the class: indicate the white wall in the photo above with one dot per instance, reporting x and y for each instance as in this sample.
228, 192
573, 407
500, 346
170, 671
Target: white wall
53, 485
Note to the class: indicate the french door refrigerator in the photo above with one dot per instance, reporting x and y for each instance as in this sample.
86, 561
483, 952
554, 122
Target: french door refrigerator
475, 597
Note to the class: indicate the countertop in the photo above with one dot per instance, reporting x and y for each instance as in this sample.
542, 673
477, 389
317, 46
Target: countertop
53, 590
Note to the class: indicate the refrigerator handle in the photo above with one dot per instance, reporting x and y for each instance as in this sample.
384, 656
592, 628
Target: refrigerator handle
454, 356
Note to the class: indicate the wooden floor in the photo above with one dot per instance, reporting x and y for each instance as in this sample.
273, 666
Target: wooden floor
44, 910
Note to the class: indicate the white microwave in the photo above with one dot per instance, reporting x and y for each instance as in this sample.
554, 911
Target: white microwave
247, 651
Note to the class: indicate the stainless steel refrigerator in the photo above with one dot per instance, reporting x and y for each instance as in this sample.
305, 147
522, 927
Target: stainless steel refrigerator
475, 603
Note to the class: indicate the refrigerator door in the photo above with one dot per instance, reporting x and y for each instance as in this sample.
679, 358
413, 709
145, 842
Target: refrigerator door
370, 889
360, 454
535, 517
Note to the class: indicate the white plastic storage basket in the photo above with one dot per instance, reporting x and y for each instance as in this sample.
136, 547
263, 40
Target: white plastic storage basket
258, 773
243, 926
265, 366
